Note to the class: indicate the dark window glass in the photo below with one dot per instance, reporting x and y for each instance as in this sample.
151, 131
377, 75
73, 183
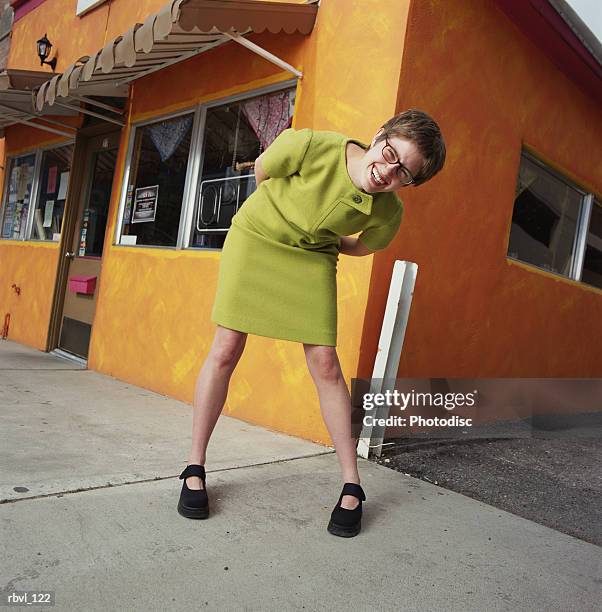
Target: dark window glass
94, 220
544, 219
17, 196
235, 135
52, 193
592, 263
156, 187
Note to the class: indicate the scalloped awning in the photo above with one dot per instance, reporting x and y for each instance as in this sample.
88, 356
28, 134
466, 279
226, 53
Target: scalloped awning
16, 88
181, 29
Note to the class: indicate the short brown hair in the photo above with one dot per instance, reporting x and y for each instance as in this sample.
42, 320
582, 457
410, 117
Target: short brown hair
422, 130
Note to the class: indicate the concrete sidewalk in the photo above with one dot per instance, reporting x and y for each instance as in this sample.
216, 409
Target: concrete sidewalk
89, 489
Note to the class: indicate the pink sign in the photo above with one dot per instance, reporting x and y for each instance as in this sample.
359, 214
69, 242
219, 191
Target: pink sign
52, 173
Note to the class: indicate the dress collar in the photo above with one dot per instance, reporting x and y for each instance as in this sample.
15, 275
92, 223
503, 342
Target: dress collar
366, 198
353, 190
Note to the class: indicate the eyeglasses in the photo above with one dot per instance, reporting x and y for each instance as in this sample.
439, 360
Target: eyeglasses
390, 156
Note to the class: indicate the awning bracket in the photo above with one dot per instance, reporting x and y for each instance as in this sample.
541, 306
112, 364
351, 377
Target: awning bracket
87, 111
245, 42
113, 109
27, 120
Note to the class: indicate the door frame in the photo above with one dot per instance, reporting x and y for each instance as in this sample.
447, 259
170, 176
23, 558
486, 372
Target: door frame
76, 191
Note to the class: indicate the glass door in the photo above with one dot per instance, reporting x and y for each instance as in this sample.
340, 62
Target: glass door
85, 253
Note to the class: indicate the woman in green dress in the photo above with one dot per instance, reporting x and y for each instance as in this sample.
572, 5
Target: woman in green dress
277, 275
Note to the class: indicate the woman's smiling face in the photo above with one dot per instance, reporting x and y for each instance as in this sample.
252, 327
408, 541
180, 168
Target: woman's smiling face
376, 175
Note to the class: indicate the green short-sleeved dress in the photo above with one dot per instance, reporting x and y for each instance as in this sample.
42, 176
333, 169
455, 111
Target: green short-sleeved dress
277, 274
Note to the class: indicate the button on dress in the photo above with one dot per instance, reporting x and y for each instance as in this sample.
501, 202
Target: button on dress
277, 274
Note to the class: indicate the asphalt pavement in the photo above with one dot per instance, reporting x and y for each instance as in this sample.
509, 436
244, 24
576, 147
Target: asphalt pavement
554, 481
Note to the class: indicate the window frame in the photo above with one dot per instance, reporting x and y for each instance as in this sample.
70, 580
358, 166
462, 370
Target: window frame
193, 169
38, 152
581, 226
128, 169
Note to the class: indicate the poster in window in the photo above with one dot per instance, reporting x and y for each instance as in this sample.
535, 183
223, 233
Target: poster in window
84, 233
9, 216
22, 181
63, 184
48, 209
14, 179
128, 204
17, 219
52, 174
145, 204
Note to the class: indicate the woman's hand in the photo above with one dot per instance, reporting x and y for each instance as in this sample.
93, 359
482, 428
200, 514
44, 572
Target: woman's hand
260, 174
352, 246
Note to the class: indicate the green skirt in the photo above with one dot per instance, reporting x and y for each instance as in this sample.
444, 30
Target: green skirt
276, 290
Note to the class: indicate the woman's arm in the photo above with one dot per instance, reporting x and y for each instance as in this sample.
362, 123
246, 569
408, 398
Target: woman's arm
352, 246
349, 245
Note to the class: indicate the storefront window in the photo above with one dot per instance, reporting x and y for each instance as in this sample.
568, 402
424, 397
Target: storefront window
156, 186
17, 196
235, 135
52, 193
544, 219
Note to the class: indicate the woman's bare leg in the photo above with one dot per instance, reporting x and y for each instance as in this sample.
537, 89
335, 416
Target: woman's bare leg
335, 403
210, 392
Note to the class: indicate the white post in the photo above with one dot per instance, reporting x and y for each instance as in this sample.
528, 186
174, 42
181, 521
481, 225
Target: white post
386, 364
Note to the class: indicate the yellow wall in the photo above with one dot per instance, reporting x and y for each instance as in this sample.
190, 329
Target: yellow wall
476, 313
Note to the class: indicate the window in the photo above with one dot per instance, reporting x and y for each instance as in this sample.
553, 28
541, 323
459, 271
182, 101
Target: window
52, 193
34, 194
156, 186
235, 135
187, 175
17, 196
550, 221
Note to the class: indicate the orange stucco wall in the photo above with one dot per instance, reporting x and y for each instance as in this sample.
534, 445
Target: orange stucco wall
271, 385
71, 36
29, 265
351, 65
475, 313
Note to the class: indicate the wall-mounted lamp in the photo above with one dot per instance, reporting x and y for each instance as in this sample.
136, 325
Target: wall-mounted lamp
44, 46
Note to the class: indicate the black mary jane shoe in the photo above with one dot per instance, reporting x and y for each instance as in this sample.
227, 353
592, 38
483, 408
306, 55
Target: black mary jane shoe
193, 503
343, 522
